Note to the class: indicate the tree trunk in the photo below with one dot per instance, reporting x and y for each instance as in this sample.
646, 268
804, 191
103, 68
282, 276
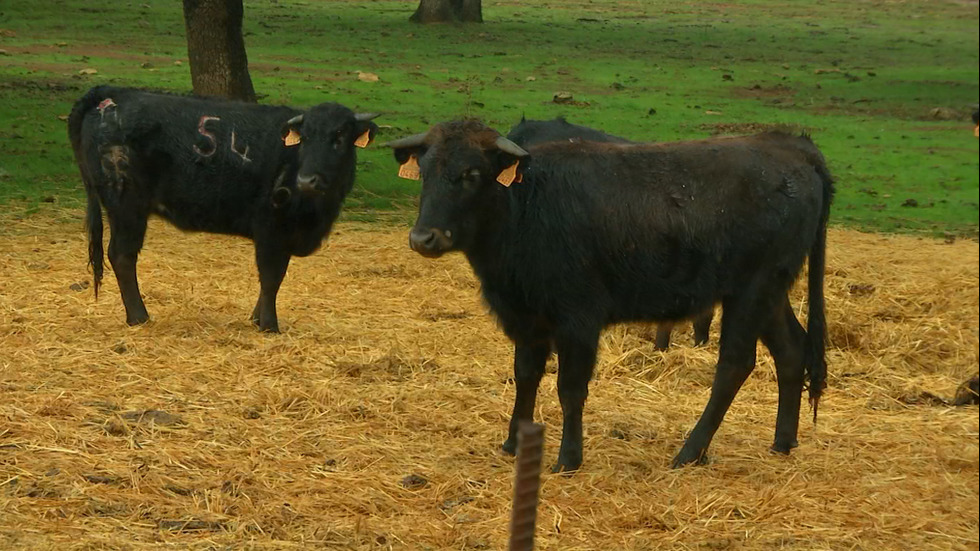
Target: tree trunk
216, 50
448, 11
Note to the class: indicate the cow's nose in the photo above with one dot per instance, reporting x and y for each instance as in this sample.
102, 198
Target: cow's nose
307, 184
429, 242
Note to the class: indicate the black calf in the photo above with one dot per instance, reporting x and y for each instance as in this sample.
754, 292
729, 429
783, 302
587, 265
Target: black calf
273, 174
567, 238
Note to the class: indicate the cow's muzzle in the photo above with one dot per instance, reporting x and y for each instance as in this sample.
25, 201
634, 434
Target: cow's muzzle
309, 184
430, 242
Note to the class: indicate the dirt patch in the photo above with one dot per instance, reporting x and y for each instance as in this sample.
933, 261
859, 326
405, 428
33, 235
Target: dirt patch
760, 91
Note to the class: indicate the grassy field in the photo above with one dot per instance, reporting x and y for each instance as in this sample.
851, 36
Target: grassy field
885, 88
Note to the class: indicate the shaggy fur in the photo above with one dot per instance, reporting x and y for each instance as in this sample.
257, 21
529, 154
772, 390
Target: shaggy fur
600, 233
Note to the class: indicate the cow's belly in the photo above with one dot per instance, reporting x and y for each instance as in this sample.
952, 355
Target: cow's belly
205, 217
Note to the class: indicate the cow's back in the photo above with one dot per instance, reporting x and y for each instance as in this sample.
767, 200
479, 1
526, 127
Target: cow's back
633, 224
202, 163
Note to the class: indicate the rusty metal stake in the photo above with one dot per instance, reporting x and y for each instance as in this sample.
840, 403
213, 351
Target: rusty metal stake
527, 480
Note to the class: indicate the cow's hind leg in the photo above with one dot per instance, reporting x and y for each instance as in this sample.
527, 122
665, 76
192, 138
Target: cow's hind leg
740, 329
576, 360
272, 264
785, 338
127, 233
529, 362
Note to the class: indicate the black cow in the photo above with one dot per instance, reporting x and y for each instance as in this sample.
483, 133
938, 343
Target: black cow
531, 132
567, 238
273, 174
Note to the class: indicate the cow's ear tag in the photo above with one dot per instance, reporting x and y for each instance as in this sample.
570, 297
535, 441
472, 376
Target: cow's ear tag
292, 138
410, 169
509, 175
976, 131
364, 139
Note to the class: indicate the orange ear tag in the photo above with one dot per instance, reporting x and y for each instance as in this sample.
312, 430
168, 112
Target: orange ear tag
976, 131
364, 139
410, 169
509, 175
292, 138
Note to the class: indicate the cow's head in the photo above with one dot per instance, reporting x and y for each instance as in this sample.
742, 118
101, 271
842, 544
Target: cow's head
464, 167
325, 138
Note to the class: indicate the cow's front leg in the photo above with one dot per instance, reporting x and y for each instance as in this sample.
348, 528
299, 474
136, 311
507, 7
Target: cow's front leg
272, 264
662, 340
529, 362
576, 360
702, 326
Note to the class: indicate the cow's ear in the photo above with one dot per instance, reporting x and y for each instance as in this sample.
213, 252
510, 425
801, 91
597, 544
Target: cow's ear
408, 151
364, 133
510, 169
408, 161
402, 154
509, 161
290, 131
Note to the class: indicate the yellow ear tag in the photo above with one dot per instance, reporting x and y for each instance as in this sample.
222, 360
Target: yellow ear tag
976, 131
364, 139
509, 175
292, 138
410, 169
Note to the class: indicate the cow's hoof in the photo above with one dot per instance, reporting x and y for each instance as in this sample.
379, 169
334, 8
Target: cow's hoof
509, 446
565, 469
567, 463
137, 320
783, 448
269, 329
685, 458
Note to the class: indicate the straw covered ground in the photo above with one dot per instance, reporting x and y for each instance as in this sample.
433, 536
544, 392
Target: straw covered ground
373, 421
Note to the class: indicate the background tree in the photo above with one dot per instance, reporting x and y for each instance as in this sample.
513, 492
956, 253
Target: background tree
216, 49
448, 11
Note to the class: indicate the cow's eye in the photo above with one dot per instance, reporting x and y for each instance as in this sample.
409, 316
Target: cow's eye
471, 176
338, 140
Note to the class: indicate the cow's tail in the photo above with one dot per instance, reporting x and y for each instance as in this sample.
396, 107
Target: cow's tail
814, 360
93, 222
93, 214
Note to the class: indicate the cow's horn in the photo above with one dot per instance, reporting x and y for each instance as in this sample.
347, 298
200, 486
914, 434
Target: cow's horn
508, 146
295, 121
361, 117
410, 141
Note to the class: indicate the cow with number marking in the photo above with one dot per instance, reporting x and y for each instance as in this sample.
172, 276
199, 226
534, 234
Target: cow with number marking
532, 132
273, 174
567, 238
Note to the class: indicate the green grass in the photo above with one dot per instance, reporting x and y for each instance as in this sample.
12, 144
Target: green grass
862, 77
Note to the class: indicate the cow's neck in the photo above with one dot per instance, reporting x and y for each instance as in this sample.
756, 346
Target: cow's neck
502, 239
